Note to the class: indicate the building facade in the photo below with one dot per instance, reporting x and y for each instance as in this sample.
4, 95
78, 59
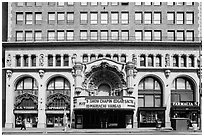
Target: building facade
102, 64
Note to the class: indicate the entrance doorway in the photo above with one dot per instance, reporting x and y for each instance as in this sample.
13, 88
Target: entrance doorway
31, 120
104, 118
55, 120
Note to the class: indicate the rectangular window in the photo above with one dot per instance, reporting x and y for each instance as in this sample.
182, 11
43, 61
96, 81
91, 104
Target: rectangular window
20, 4
94, 34
94, 3
114, 17
70, 17
114, 35
84, 3
104, 34
157, 18
38, 18
175, 61
191, 61
18, 60
170, 17
124, 17
140, 100
38, 4
104, 17
60, 3
83, 18
29, 18
60, 35
142, 61
158, 61
138, 17
50, 60
19, 18
83, 35
150, 62
179, 3
33, 60
148, 35
125, 35
70, 35
51, 35
51, 17
189, 3
171, 35
189, 35
38, 35
124, 3
60, 18
147, 17
180, 35
149, 100
94, 17
180, 18
114, 3
29, 4
138, 3
170, 3
189, 17
19, 35
51, 3
157, 35
183, 61
147, 3
66, 60
157, 3
104, 3
25, 60
58, 60
70, 3
28, 36
138, 35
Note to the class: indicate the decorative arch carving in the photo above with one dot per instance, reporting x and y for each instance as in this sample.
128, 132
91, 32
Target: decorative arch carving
20, 98
52, 97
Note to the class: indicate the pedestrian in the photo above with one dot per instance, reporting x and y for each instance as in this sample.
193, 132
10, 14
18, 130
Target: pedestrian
23, 126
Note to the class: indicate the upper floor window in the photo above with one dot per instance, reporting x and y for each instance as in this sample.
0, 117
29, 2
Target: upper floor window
158, 61
142, 61
150, 61
38, 35
83, 18
157, 3
29, 4
38, 4
94, 34
125, 35
171, 35
26, 83
104, 17
18, 60
51, 3
94, 17
51, 35
83, 35
104, 34
138, 17
50, 60
58, 60
115, 57
114, 17
183, 61
175, 61
114, 3
123, 58
138, 35
70, 17
60, 35
124, 17
28, 36
20, 4
148, 35
94, 3
170, 3
60, 3
70, 35
114, 35
170, 17
124, 3
147, 17
19, 18
104, 3
191, 61
29, 18
180, 18
189, 3
60, 18
70, 3
138, 3
157, 17
189, 35
179, 3
85, 58
84, 3
92, 57
33, 60
189, 17
66, 60
58, 83
19, 35
38, 18
25, 60
180, 35
157, 35
51, 17
147, 3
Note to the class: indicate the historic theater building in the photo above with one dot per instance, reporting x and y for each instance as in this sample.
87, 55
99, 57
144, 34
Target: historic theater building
102, 65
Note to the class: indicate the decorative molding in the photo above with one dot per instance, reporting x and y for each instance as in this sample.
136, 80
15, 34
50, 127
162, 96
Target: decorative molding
41, 60
167, 73
8, 60
9, 73
41, 73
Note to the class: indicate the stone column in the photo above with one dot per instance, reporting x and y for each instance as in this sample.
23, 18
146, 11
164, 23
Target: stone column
62, 60
10, 100
54, 60
22, 62
129, 71
167, 100
41, 101
78, 77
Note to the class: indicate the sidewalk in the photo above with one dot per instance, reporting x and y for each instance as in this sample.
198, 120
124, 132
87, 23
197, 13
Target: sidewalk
96, 131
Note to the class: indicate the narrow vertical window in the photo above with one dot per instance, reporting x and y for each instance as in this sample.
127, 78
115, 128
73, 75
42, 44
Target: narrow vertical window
29, 18
38, 18
66, 60
50, 60
170, 17
158, 61
25, 60
60, 18
171, 35
180, 35
191, 61
19, 18
58, 60
157, 35
19, 35
189, 18
18, 60
142, 61
189, 35
114, 17
150, 61
175, 61
51, 35
33, 60
183, 61
51, 17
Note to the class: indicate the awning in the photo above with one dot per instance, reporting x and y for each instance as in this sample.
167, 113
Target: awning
18, 111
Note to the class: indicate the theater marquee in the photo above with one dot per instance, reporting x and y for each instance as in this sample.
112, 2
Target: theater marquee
104, 103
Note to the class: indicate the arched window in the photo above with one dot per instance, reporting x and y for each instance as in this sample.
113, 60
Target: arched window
182, 90
26, 84
142, 60
93, 57
150, 61
183, 61
58, 83
175, 61
191, 61
115, 57
158, 61
100, 56
150, 93
85, 58
123, 58
108, 56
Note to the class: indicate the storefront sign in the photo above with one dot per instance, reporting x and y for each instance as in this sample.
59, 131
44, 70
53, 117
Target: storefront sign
103, 103
185, 104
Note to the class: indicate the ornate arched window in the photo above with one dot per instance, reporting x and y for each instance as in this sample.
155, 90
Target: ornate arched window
58, 83
26, 83
182, 90
149, 93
